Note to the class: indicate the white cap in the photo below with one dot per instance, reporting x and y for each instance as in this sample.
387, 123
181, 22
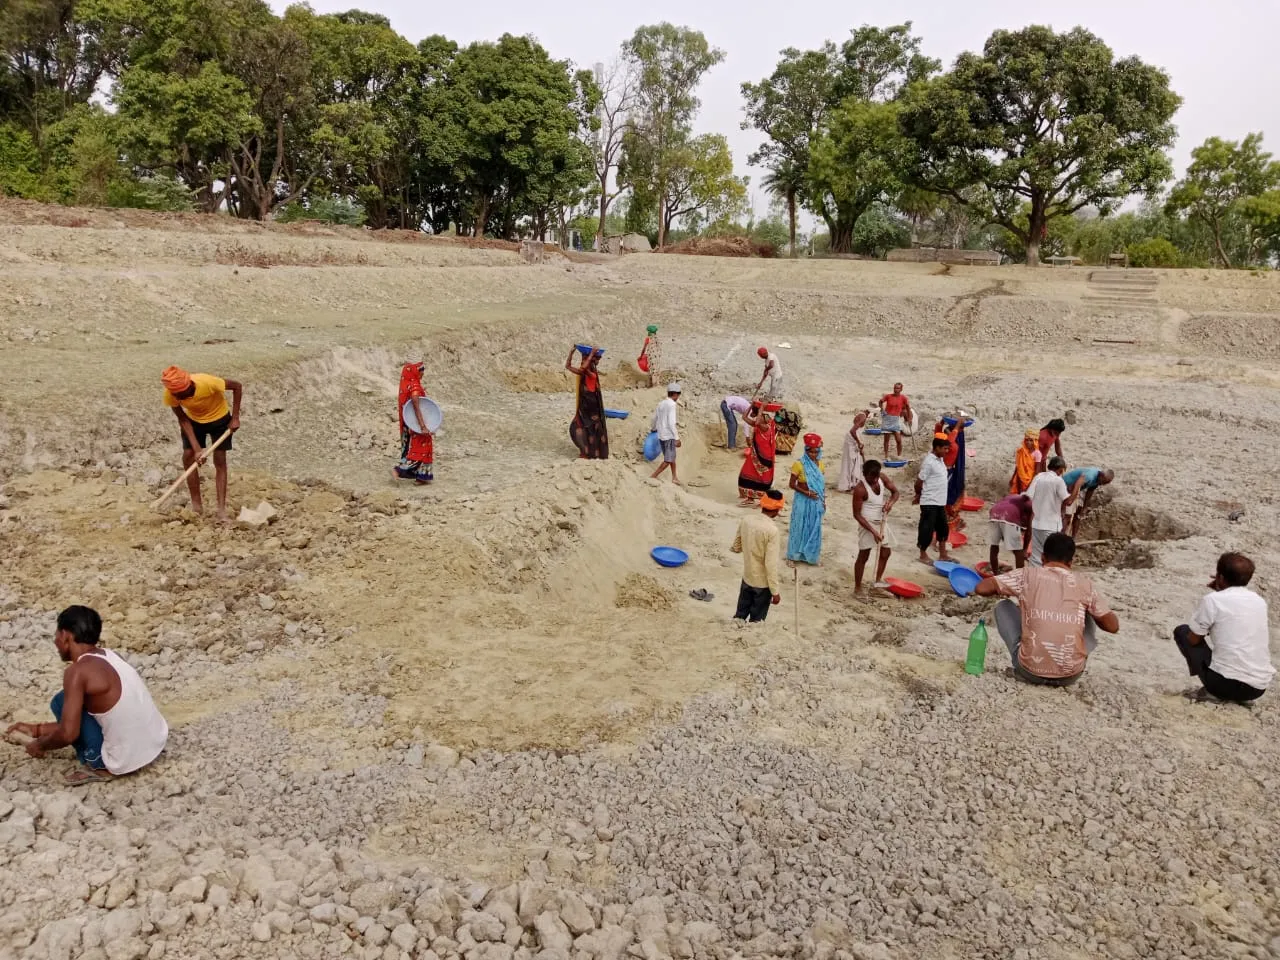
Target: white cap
673, 388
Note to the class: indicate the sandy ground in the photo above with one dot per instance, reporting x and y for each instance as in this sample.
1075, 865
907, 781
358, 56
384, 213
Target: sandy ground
486, 683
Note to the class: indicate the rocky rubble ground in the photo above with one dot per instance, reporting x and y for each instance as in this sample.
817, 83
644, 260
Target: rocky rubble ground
947, 820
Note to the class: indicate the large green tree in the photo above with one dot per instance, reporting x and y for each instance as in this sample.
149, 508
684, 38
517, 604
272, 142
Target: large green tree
507, 122
670, 62
796, 106
790, 107
1054, 122
856, 163
363, 77
1222, 177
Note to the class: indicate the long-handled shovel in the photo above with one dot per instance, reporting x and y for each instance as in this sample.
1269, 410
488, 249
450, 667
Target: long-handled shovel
191, 469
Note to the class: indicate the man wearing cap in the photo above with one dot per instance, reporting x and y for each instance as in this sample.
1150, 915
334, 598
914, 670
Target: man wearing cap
199, 401
772, 373
664, 421
757, 541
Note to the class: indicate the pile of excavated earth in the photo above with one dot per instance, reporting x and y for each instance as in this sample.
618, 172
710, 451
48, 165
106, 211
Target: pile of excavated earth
475, 720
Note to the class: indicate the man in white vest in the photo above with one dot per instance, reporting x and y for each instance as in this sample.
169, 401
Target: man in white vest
103, 710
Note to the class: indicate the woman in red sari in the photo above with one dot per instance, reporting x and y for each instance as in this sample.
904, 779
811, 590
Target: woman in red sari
417, 451
587, 430
756, 477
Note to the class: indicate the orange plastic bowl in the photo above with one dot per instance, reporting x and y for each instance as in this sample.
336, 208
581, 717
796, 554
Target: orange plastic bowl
972, 504
904, 588
958, 538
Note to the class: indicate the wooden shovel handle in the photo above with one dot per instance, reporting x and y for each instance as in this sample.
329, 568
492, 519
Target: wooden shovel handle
191, 469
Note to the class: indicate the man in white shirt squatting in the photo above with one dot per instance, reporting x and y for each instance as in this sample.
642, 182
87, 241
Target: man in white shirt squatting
103, 710
1227, 643
664, 421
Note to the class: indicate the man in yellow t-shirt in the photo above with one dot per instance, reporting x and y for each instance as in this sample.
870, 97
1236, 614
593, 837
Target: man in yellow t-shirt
200, 403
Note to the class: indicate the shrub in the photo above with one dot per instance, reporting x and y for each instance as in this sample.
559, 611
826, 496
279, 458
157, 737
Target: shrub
1156, 252
339, 210
150, 193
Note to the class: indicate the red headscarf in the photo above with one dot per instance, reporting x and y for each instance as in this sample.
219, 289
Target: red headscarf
812, 440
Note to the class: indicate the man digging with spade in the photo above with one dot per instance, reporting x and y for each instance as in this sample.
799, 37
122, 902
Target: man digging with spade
199, 401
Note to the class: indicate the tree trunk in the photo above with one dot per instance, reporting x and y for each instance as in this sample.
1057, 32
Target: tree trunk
482, 217
1036, 228
791, 214
1217, 242
604, 210
842, 236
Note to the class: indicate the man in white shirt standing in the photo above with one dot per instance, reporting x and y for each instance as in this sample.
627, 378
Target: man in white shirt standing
664, 421
1227, 643
1048, 493
931, 494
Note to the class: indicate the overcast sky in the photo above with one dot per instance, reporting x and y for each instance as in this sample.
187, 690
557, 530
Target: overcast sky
1222, 55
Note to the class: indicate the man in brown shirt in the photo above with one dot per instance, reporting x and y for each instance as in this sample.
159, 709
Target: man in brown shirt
1051, 630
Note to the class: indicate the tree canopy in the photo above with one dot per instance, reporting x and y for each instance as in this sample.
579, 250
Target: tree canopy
1051, 121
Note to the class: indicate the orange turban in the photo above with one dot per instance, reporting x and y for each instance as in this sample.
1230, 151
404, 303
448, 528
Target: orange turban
768, 502
175, 379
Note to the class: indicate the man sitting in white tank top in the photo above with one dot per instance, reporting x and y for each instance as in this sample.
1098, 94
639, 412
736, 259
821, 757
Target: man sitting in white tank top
103, 710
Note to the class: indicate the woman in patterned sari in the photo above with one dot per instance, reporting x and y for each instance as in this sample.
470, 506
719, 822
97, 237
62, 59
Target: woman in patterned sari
587, 430
756, 476
417, 450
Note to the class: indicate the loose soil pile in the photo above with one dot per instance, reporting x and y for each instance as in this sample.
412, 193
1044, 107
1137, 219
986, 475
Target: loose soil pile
722, 247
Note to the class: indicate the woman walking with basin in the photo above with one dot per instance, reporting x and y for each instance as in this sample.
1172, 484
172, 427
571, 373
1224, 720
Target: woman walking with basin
417, 450
587, 430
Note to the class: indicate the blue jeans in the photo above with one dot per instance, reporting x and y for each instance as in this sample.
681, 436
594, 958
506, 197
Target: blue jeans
731, 422
88, 745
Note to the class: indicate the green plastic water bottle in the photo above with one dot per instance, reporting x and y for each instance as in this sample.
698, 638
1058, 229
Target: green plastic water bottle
976, 660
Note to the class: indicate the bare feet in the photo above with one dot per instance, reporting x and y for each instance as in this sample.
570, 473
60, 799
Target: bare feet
223, 518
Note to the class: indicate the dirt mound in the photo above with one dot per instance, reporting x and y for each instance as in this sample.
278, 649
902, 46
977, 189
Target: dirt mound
624, 376
637, 590
722, 247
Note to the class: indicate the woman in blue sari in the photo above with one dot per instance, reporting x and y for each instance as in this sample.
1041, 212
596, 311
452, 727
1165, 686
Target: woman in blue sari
808, 480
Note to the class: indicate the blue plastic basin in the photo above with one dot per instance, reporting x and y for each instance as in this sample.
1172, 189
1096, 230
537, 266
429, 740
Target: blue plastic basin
669, 556
964, 580
617, 414
896, 463
944, 567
